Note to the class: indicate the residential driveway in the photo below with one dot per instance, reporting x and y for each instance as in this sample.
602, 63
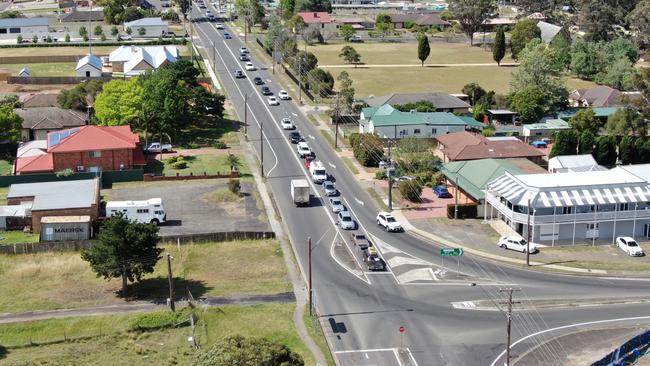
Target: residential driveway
192, 210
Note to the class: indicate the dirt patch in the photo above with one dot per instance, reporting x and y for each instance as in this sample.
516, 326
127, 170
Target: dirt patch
20, 88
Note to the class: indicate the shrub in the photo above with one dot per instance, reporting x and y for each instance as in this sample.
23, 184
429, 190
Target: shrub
103, 37
64, 173
48, 39
219, 145
411, 190
234, 186
34, 39
173, 159
181, 164
381, 175
67, 37
19, 39
193, 145
160, 320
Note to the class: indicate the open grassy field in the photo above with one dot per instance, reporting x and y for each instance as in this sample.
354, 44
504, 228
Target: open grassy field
17, 236
165, 347
403, 53
381, 81
197, 165
62, 280
48, 69
3, 195
6, 166
75, 51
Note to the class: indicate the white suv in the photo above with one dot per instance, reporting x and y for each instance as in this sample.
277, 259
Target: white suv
516, 243
303, 149
388, 222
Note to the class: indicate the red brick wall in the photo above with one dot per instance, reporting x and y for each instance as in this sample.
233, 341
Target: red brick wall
92, 211
110, 160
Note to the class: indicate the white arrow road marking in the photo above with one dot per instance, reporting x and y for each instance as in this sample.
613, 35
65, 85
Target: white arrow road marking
358, 200
294, 114
312, 137
332, 165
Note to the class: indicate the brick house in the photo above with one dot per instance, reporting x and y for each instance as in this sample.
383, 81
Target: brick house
318, 19
86, 148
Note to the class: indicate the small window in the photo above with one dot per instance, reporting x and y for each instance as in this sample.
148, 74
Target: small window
434, 131
143, 210
567, 210
623, 207
416, 131
14, 30
3, 30
95, 154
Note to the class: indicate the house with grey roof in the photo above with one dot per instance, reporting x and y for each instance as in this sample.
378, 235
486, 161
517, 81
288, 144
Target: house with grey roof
83, 16
598, 96
135, 60
388, 122
550, 31
573, 163
153, 27
38, 122
89, 66
10, 28
442, 101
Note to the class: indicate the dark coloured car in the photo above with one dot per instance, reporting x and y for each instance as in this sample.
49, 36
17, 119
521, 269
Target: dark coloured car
244, 57
376, 264
266, 90
295, 137
258, 80
442, 192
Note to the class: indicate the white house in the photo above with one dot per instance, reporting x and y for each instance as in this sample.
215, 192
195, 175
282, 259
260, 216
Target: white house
545, 129
153, 27
10, 28
388, 122
573, 163
89, 66
135, 60
574, 207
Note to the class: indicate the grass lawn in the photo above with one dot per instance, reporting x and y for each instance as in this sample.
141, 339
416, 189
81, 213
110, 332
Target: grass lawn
6, 166
403, 53
211, 130
48, 69
75, 51
197, 165
17, 236
3, 195
381, 81
48, 281
165, 347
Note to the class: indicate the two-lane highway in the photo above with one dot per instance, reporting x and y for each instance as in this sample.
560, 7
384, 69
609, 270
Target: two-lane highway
364, 311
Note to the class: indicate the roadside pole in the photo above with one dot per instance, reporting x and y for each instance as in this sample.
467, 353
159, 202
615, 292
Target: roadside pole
311, 297
336, 123
246, 115
390, 178
262, 149
528, 234
171, 282
509, 321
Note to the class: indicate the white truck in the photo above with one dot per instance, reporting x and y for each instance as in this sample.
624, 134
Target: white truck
151, 211
317, 172
156, 147
300, 192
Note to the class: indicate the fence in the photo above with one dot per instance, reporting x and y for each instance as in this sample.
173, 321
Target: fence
54, 246
218, 236
47, 80
628, 352
155, 178
108, 177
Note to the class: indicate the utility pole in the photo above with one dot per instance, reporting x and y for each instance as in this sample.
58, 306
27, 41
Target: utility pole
214, 57
262, 149
509, 321
336, 122
300, 61
390, 178
246, 115
171, 282
456, 201
528, 234
311, 297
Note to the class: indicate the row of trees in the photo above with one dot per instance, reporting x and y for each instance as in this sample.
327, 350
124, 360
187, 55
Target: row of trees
606, 149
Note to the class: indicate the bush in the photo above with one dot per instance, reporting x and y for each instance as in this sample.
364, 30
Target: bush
160, 320
381, 175
411, 190
219, 145
173, 159
193, 145
64, 173
368, 149
181, 164
234, 186
19, 39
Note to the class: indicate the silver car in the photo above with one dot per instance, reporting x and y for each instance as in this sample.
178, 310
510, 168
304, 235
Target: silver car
345, 221
329, 188
336, 205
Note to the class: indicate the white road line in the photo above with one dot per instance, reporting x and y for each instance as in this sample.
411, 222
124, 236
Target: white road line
411, 357
359, 201
367, 280
397, 356
311, 137
332, 165
366, 350
565, 327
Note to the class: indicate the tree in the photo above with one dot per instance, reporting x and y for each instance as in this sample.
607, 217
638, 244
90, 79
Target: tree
474, 92
114, 31
320, 81
273, 33
304, 62
287, 7
585, 120
642, 153
566, 143
626, 121
529, 103
35, 39
119, 103
129, 30
471, 14
618, 75
296, 24
424, 49
11, 14
125, 249
546, 7
627, 150
67, 38
499, 46
411, 190
132, 13
606, 150
251, 11
142, 31
237, 350
586, 59
346, 92
639, 19
350, 55
81, 96
19, 39
11, 124
383, 26
586, 142
561, 45
599, 16
98, 30
114, 10
234, 161
368, 149
314, 5
82, 31
419, 106
346, 32
524, 31
383, 18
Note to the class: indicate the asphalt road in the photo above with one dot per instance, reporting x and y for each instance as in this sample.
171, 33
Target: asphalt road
363, 311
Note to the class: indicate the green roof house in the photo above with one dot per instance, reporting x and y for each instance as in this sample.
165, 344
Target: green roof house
388, 122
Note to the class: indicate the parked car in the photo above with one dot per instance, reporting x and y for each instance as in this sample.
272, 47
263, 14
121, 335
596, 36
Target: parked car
403, 178
226, 35
295, 137
156, 147
336, 205
258, 80
345, 221
287, 124
239, 74
539, 144
329, 188
250, 67
516, 243
303, 149
359, 240
629, 246
284, 95
273, 101
442, 192
356, 39
266, 90
388, 222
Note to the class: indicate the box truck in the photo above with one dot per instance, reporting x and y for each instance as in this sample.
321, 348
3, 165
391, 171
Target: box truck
147, 211
300, 192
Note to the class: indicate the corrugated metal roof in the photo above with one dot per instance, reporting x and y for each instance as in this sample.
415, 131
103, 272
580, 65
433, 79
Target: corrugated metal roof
58, 195
640, 170
439, 100
25, 22
389, 116
145, 22
91, 60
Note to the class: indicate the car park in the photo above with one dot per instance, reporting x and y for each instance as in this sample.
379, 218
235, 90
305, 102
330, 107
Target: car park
287, 124
284, 95
273, 101
239, 74
629, 246
219, 26
345, 221
336, 205
265, 90
258, 80
388, 222
360, 240
441, 191
295, 137
303, 149
250, 67
329, 188
516, 243
226, 35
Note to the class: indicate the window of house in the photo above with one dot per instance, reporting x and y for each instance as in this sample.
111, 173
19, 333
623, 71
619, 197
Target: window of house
416, 131
14, 30
434, 131
623, 207
593, 226
567, 210
3, 30
95, 154
404, 132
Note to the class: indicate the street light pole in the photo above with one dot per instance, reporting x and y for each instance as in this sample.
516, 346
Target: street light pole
390, 178
246, 115
311, 297
262, 149
530, 200
336, 122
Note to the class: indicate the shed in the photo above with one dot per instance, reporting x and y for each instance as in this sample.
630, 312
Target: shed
89, 66
545, 129
502, 116
15, 216
61, 228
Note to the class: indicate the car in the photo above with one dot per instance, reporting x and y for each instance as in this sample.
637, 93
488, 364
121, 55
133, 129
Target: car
375, 264
356, 39
295, 137
388, 222
329, 188
345, 221
516, 243
244, 57
219, 26
273, 101
243, 50
629, 246
265, 90
303, 149
287, 124
239, 74
336, 205
284, 95
250, 67
403, 178
211, 17
359, 240
124, 37
442, 192
208, 13
202, 5
258, 80
226, 35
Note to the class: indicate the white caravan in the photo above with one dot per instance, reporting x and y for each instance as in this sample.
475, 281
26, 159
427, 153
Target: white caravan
148, 211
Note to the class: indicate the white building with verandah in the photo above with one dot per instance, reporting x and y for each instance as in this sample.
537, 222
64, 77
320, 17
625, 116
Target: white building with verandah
573, 207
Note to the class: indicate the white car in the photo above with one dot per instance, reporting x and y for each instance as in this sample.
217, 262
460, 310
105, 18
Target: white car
388, 222
629, 246
329, 188
273, 101
219, 26
208, 13
284, 95
303, 149
287, 124
243, 50
345, 221
336, 205
516, 243
250, 67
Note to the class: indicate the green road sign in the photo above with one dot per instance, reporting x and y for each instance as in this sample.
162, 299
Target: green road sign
451, 252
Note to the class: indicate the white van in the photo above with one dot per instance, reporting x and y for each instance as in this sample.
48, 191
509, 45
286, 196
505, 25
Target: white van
317, 172
148, 211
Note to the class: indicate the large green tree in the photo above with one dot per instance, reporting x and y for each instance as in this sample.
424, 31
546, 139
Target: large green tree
499, 46
346, 32
627, 150
287, 7
598, 17
304, 62
119, 103
314, 5
320, 81
585, 120
524, 31
639, 19
346, 93
419, 106
605, 153
566, 143
424, 49
237, 350
546, 7
125, 249
474, 92
251, 11
586, 142
529, 103
81, 96
626, 121
10, 124
471, 14
114, 10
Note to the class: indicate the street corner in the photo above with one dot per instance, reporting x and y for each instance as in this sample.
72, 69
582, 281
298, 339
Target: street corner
379, 356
